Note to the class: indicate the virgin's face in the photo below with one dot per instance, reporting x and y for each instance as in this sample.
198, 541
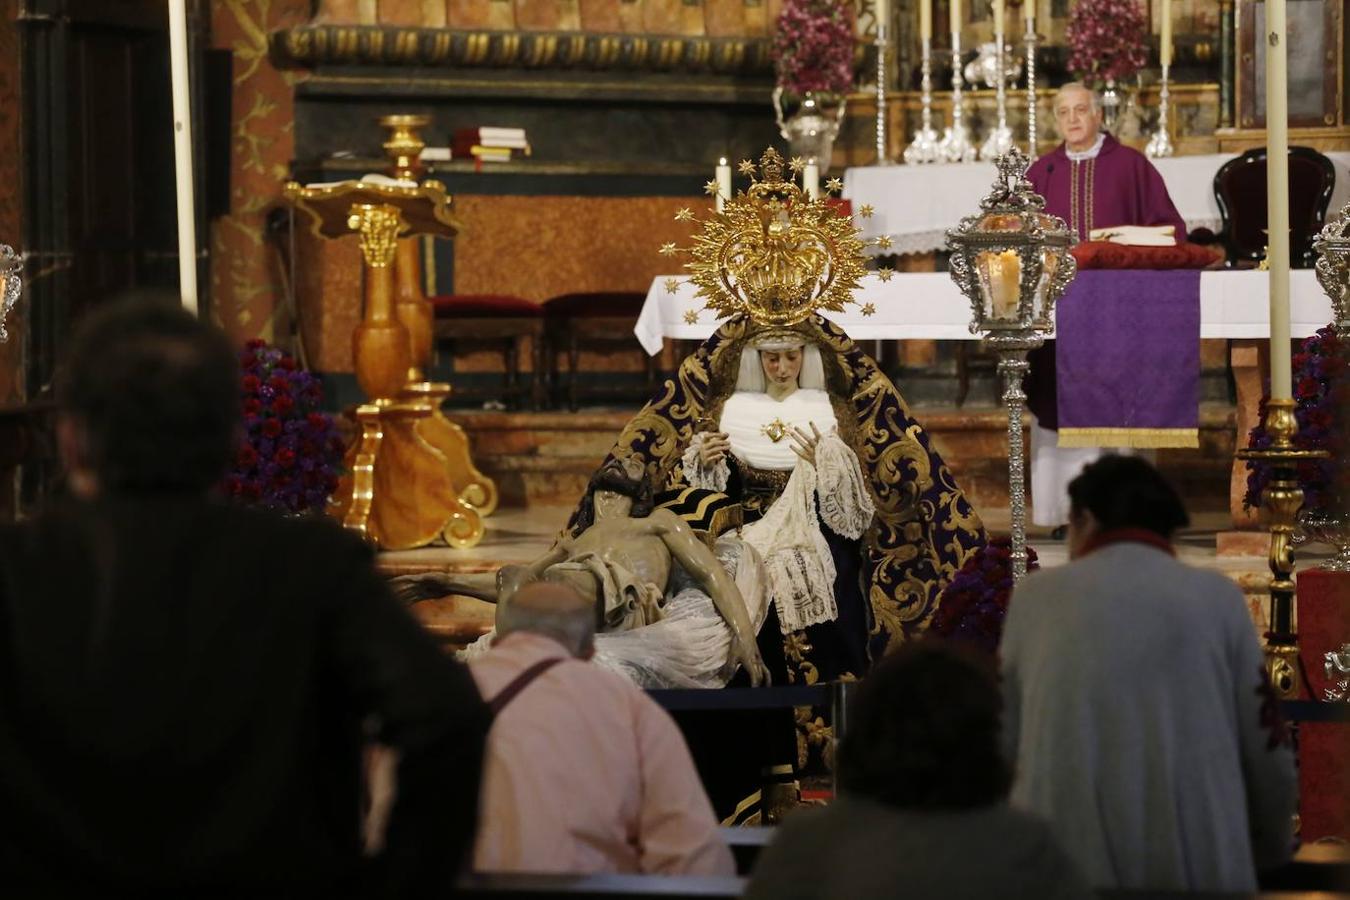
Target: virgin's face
781, 366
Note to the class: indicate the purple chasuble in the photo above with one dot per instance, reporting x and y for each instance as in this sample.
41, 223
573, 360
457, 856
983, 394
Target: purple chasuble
1117, 187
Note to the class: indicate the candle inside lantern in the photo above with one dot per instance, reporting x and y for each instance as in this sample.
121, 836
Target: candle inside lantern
811, 179
1001, 282
723, 182
956, 16
1165, 37
925, 20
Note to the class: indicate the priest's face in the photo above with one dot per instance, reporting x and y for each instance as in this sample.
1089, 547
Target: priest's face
1077, 119
781, 367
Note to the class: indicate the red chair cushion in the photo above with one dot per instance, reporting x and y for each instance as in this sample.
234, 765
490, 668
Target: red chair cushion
1106, 255
484, 306
842, 205
612, 303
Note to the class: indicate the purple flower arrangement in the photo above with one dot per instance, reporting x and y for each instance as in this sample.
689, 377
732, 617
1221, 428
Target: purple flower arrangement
813, 47
1108, 39
974, 603
1321, 392
291, 452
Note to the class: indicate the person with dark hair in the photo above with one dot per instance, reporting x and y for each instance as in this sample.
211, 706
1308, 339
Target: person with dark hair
1139, 713
186, 686
922, 810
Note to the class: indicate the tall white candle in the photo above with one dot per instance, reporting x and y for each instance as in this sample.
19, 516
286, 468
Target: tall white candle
723, 183
811, 179
925, 20
1030, 11
1165, 37
998, 19
1277, 192
182, 154
882, 10
956, 16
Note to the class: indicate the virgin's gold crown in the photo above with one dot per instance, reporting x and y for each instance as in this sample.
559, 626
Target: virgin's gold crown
773, 253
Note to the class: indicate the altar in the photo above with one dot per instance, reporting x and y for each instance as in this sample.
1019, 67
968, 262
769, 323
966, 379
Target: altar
928, 306
915, 205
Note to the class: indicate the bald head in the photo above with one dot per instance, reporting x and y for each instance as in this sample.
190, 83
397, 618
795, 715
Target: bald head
554, 610
1078, 115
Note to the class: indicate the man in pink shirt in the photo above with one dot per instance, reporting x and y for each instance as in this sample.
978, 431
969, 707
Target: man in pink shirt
583, 772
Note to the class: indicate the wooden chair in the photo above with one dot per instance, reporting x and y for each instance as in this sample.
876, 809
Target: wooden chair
504, 323
598, 322
1240, 189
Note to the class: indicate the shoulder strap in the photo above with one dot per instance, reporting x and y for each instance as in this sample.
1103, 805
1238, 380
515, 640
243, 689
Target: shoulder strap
520, 683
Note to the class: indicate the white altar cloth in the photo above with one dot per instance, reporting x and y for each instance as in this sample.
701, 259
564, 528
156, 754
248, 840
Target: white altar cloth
927, 305
915, 205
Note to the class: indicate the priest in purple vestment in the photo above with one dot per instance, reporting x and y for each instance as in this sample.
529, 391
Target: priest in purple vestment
1091, 180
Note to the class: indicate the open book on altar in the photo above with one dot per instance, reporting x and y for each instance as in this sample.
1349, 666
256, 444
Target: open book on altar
1136, 235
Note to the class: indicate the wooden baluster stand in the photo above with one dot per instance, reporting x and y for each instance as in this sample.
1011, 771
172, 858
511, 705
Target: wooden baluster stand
414, 310
398, 490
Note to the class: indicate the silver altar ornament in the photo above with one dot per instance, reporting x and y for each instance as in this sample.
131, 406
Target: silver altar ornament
1000, 139
956, 145
1012, 262
1332, 246
1337, 667
1160, 144
925, 148
883, 41
985, 67
11, 264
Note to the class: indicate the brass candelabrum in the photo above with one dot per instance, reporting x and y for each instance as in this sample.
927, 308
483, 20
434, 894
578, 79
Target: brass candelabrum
1281, 501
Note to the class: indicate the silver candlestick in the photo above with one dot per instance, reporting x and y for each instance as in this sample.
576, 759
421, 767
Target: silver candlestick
925, 146
1160, 144
1000, 139
955, 145
1030, 39
883, 41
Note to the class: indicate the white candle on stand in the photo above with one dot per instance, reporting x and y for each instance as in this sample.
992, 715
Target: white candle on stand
811, 179
182, 154
883, 12
1030, 6
1165, 38
956, 16
1277, 192
998, 21
925, 20
723, 183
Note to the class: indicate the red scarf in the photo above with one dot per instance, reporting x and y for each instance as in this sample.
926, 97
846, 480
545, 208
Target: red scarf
1127, 535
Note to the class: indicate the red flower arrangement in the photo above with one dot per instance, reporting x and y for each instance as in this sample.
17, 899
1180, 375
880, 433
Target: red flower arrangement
974, 603
813, 47
1321, 391
1108, 40
291, 452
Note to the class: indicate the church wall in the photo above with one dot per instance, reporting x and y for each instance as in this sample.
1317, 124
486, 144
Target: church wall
246, 280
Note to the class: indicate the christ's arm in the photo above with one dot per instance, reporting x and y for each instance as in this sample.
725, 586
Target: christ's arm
706, 569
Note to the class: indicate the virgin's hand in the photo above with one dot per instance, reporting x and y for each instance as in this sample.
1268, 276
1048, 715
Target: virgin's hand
714, 448
803, 444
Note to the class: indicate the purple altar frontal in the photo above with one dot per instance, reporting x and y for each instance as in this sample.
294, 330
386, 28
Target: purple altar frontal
1127, 356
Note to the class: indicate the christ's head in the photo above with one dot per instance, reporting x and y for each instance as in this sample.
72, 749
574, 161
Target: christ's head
1078, 116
